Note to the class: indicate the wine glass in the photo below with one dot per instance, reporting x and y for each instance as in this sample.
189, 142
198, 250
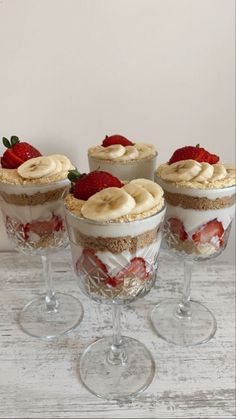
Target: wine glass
197, 227
35, 224
116, 263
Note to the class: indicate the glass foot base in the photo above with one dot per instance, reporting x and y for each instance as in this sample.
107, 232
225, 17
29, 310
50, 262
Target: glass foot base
183, 331
36, 321
116, 382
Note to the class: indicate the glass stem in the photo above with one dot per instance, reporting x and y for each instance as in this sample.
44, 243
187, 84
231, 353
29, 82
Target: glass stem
116, 355
50, 298
184, 309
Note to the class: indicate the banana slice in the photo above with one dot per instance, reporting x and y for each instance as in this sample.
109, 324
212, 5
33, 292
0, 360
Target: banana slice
143, 199
183, 170
37, 167
65, 162
219, 172
108, 153
206, 172
145, 150
131, 153
153, 188
108, 204
231, 170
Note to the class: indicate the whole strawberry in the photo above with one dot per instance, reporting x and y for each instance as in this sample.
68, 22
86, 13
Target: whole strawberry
196, 153
17, 153
116, 139
86, 185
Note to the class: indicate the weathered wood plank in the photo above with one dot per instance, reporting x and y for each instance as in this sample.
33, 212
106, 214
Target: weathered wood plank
40, 379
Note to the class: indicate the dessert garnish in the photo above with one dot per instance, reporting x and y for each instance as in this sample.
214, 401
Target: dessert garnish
208, 231
116, 139
85, 185
17, 152
196, 153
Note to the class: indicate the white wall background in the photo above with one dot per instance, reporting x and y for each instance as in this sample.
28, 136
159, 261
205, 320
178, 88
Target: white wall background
159, 71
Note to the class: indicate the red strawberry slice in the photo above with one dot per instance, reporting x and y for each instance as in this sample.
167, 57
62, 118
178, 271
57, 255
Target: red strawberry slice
176, 227
136, 268
87, 185
206, 233
42, 228
17, 153
116, 139
92, 265
194, 153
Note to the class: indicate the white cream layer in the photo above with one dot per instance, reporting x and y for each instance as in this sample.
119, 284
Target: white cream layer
28, 213
128, 170
194, 219
122, 229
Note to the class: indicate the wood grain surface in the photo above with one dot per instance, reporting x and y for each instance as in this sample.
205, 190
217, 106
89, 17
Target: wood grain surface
40, 379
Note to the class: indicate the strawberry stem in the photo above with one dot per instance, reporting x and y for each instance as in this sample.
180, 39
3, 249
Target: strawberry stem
10, 144
198, 146
73, 175
6, 142
14, 140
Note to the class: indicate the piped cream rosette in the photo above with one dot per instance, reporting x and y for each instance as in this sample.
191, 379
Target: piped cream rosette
44, 166
136, 198
191, 170
118, 152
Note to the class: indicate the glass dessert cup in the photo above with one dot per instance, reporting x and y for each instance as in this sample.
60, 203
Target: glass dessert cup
35, 224
116, 263
142, 168
204, 218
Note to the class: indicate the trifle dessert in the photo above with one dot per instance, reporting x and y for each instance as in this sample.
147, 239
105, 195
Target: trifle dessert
200, 196
200, 193
123, 158
115, 230
32, 188
115, 234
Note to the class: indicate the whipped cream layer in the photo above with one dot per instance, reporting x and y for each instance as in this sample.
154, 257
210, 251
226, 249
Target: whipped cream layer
195, 175
112, 229
127, 170
194, 219
123, 154
28, 213
37, 171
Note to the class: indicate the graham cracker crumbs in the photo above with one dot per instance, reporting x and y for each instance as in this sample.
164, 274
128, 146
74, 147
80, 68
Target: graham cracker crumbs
116, 245
198, 203
38, 198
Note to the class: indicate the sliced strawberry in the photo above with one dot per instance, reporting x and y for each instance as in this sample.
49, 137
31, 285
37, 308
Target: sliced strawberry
136, 268
116, 139
197, 153
17, 153
176, 227
206, 233
44, 227
92, 265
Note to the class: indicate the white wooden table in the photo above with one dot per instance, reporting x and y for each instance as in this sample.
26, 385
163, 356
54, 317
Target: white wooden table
39, 379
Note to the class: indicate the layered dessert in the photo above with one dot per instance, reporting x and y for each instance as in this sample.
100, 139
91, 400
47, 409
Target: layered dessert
32, 188
200, 195
123, 158
115, 234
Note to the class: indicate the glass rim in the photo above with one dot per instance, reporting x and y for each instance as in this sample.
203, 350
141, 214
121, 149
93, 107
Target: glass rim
110, 223
193, 189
